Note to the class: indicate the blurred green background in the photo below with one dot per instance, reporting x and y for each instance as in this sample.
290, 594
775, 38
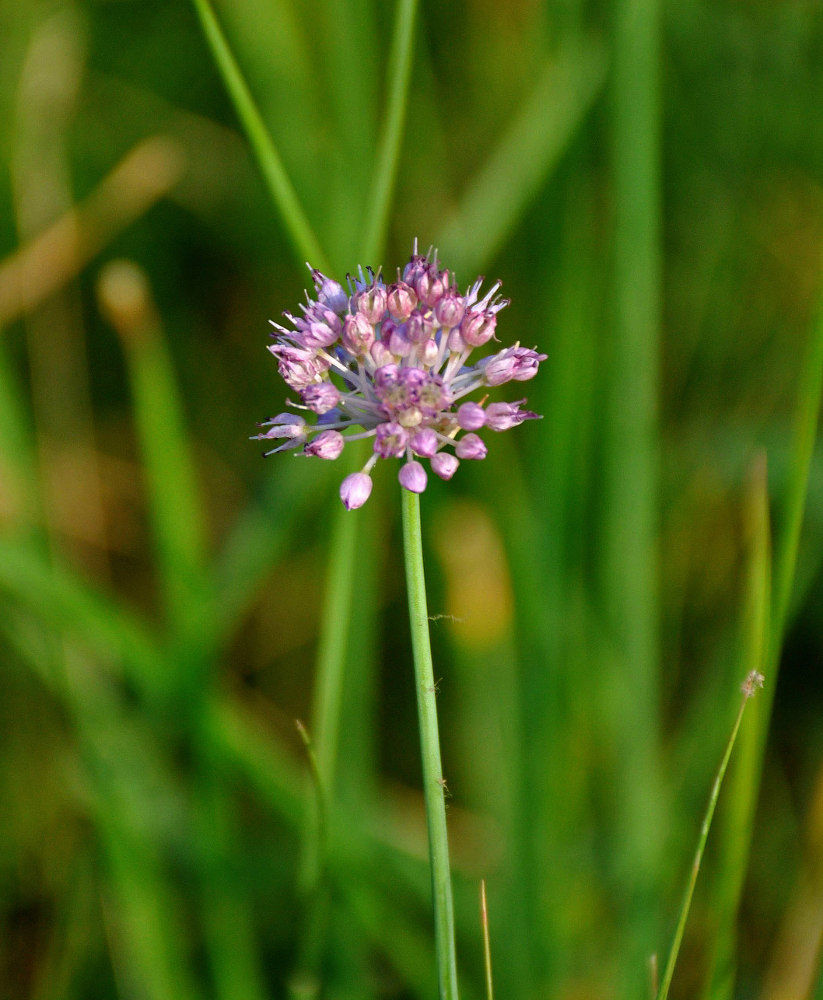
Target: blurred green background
646, 181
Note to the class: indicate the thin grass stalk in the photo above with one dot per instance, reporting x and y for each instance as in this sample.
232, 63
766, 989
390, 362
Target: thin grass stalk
750, 685
391, 135
434, 785
284, 196
487, 948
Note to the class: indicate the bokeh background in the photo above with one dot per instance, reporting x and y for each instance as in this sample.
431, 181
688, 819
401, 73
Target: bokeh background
645, 179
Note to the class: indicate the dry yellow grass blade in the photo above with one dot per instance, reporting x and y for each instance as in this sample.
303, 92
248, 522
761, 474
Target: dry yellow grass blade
58, 254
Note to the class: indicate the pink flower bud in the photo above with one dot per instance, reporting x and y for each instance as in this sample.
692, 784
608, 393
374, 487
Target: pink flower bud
429, 352
425, 442
327, 444
444, 464
456, 342
451, 308
502, 416
358, 334
401, 300
329, 292
284, 425
413, 477
380, 354
477, 328
390, 440
470, 446
355, 490
471, 416
371, 303
399, 343
419, 328
430, 286
320, 397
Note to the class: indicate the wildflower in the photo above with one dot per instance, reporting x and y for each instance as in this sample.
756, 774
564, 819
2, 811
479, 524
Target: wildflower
390, 362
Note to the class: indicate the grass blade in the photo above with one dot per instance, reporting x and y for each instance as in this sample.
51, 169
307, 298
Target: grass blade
175, 502
629, 559
499, 194
391, 135
61, 601
284, 196
746, 777
791, 520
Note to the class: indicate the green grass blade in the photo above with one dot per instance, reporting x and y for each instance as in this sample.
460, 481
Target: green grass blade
391, 134
284, 196
69, 607
175, 504
327, 719
18, 467
787, 537
736, 822
746, 777
500, 193
144, 921
629, 557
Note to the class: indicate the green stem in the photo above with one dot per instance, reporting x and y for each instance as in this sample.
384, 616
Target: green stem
434, 786
752, 682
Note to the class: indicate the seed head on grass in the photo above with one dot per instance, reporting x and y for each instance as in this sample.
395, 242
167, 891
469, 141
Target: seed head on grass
390, 362
754, 680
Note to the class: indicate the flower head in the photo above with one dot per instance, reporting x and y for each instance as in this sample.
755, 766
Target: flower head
390, 362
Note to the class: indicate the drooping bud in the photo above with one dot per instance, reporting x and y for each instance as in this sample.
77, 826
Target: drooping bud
444, 464
425, 442
413, 477
355, 490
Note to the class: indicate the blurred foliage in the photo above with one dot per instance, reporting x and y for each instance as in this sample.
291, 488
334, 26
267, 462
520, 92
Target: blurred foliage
649, 191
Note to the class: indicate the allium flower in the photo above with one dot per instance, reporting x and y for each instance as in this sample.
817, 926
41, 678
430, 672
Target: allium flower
391, 362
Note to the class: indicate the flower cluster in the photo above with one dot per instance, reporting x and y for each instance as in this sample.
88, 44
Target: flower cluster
390, 362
